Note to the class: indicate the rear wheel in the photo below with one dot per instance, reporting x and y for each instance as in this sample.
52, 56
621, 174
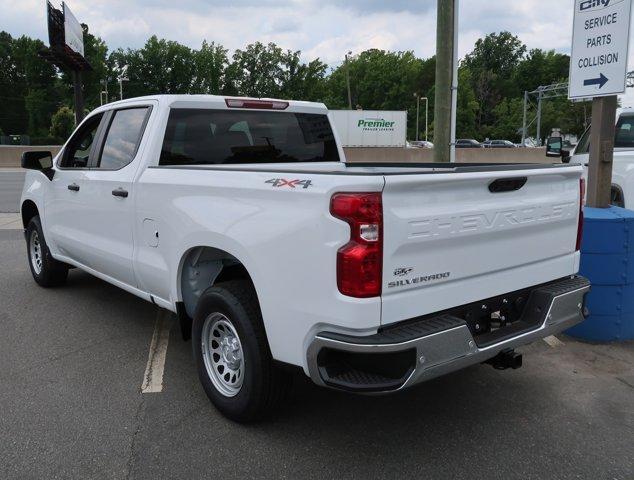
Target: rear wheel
232, 354
46, 271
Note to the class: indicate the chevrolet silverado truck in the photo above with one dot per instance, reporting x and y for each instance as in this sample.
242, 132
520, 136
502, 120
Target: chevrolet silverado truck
243, 218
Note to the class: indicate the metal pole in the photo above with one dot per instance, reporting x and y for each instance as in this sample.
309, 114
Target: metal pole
348, 81
426, 116
79, 97
601, 152
444, 67
454, 84
524, 119
417, 114
120, 88
539, 118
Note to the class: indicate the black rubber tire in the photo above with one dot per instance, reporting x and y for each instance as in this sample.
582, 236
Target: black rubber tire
53, 273
265, 386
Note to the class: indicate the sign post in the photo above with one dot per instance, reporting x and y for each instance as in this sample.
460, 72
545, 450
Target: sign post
66, 39
598, 68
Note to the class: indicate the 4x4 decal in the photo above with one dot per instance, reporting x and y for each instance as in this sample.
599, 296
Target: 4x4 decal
282, 182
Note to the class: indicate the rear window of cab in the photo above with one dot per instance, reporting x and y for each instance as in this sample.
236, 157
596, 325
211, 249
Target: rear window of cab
212, 137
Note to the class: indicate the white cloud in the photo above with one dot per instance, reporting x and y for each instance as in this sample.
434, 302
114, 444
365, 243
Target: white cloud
319, 28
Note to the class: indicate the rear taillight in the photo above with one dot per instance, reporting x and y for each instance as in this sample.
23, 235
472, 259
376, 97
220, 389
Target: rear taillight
259, 104
360, 261
582, 194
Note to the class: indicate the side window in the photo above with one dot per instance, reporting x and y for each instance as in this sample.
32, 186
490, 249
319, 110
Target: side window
123, 138
584, 143
78, 149
624, 136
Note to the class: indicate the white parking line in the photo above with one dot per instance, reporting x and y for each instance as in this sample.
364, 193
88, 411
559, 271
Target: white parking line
153, 378
553, 341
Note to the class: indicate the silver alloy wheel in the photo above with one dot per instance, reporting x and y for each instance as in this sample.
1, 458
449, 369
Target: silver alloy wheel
35, 250
223, 354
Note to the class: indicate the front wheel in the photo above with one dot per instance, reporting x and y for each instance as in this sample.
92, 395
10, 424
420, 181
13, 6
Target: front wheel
46, 271
232, 354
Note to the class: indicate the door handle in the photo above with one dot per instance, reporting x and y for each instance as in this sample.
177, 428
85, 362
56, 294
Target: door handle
120, 192
74, 187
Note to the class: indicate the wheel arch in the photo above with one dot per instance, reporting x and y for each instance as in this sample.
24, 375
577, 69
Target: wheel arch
202, 266
28, 210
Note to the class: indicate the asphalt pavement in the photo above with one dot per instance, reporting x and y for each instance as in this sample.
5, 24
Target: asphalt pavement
11, 182
73, 360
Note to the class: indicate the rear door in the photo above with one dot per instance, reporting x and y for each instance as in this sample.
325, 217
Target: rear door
455, 238
108, 207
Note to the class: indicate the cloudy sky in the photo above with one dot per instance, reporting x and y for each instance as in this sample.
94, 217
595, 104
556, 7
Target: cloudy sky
319, 28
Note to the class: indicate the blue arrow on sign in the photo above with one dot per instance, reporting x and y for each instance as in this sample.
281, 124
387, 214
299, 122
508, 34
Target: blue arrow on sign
600, 80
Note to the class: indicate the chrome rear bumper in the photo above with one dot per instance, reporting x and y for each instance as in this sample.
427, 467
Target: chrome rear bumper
436, 345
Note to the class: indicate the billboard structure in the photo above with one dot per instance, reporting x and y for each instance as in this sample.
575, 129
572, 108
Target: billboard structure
66, 50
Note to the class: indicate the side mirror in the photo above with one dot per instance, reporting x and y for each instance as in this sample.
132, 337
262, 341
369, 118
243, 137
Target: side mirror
554, 147
565, 156
39, 160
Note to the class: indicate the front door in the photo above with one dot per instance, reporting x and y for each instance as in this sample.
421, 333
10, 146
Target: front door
66, 215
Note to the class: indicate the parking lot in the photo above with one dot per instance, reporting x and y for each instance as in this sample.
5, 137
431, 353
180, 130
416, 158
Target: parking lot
74, 360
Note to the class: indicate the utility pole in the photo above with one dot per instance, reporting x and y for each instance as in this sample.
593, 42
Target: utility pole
444, 80
454, 85
426, 115
601, 152
348, 81
539, 118
122, 78
417, 113
79, 97
104, 93
524, 119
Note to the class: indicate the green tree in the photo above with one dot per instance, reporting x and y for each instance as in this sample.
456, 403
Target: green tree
492, 64
209, 67
96, 53
31, 92
467, 106
540, 68
255, 71
382, 80
302, 81
161, 66
508, 120
62, 123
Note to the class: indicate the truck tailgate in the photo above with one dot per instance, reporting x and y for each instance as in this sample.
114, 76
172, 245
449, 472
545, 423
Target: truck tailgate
455, 238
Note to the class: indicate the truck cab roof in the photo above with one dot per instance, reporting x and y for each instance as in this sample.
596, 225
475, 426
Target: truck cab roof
221, 102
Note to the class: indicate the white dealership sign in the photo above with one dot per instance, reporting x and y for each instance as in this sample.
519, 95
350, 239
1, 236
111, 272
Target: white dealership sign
370, 128
73, 33
600, 39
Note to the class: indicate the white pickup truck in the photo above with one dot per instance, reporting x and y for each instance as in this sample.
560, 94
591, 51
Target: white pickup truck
243, 217
623, 163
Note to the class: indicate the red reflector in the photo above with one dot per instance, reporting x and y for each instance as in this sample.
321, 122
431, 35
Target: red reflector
360, 261
582, 194
259, 104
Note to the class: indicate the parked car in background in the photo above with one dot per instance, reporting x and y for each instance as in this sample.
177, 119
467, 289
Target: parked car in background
468, 143
243, 218
623, 164
499, 144
419, 144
